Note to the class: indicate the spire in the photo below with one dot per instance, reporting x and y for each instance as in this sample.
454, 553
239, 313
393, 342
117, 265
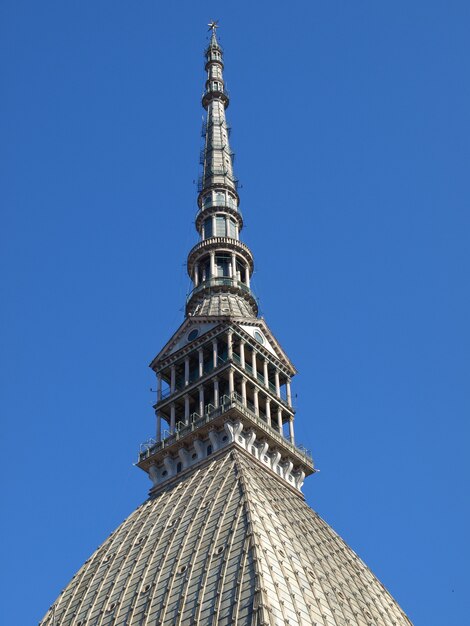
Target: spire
220, 265
213, 26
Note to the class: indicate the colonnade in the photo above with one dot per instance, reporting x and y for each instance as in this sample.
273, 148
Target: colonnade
232, 270
256, 397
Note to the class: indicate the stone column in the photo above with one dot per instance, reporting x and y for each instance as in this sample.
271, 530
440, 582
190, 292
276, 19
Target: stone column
186, 408
173, 379
276, 382
196, 274
247, 275
159, 426
288, 392
159, 387
212, 255
227, 226
214, 224
214, 353
234, 266
268, 411
242, 353
255, 400
172, 418
253, 364
186, 371
237, 231
201, 362
201, 400
279, 419
216, 392
291, 429
229, 344
265, 373
231, 382
244, 391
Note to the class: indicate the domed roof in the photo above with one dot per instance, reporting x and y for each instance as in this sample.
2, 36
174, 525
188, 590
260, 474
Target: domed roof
223, 304
226, 542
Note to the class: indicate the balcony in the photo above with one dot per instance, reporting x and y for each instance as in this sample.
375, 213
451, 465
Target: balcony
227, 403
219, 93
219, 244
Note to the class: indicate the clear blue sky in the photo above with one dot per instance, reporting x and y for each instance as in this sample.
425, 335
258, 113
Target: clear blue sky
351, 127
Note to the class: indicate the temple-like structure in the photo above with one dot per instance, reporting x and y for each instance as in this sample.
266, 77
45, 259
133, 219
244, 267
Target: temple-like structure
225, 536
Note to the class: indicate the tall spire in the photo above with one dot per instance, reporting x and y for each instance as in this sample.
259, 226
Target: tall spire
220, 265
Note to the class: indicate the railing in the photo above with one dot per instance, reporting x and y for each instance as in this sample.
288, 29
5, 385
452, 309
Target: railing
146, 446
208, 366
215, 241
216, 91
227, 402
165, 393
259, 376
202, 180
220, 203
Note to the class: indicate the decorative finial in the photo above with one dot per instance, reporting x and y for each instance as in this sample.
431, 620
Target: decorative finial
213, 25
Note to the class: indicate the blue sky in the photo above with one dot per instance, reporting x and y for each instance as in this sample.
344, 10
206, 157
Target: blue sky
351, 128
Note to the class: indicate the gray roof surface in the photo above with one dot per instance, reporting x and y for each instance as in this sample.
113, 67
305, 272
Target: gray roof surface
226, 543
223, 304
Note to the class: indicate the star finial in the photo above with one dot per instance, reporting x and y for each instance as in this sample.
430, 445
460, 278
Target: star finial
213, 25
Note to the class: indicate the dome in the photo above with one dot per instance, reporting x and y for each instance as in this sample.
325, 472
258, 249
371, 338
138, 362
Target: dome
230, 543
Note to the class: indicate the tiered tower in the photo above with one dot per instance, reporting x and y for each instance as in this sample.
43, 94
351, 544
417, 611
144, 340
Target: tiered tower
225, 537
222, 378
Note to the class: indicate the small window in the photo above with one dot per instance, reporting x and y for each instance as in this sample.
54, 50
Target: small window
209, 450
232, 232
179, 467
220, 226
194, 456
193, 334
208, 227
259, 337
222, 266
164, 473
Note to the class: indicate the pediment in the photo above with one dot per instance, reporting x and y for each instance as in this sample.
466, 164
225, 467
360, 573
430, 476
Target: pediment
259, 330
191, 329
